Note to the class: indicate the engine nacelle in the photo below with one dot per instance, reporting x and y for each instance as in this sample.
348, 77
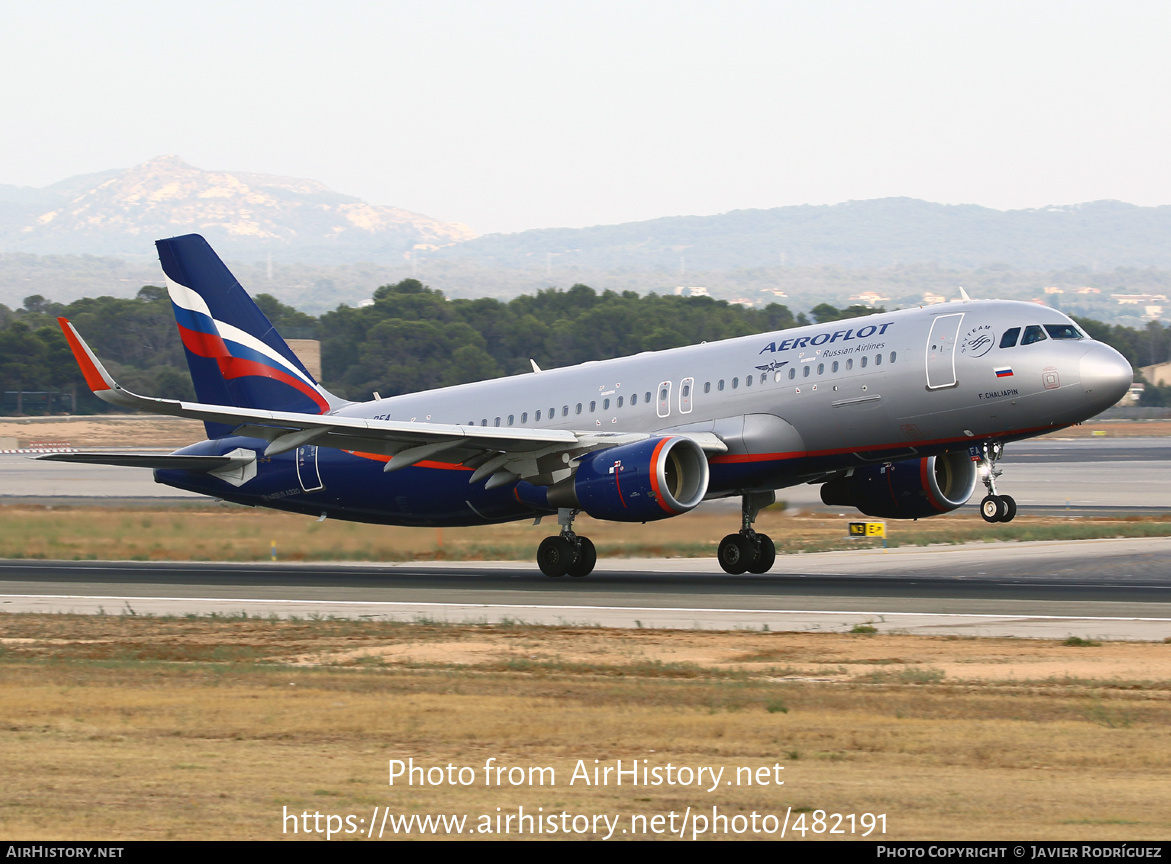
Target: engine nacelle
906, 490
643, 481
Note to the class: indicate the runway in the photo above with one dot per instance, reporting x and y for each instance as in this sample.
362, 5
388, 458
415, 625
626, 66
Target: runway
1098, 589
1111, 589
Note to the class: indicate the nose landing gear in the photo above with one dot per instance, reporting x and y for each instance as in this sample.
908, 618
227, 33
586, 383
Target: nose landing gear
567, 553
994, 507
748, 551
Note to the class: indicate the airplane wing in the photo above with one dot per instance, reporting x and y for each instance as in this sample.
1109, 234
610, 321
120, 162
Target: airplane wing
541, 456
139, 460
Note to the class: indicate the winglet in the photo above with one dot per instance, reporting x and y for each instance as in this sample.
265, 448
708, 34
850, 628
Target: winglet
95, 373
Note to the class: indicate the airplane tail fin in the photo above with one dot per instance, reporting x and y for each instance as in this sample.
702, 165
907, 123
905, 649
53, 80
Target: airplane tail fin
235, 355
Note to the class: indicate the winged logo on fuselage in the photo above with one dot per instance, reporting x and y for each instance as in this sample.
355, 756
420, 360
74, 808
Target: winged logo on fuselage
773, 366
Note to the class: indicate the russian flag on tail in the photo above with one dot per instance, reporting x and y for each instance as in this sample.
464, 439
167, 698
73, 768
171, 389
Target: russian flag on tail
235, 355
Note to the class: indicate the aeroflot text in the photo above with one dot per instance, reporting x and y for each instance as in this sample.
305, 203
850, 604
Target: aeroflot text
632, 772
822, 338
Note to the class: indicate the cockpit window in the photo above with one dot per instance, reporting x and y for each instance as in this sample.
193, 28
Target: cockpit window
1008, 340
1062, 331
1033, 333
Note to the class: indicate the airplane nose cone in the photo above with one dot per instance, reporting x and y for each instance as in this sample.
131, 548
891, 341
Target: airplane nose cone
1106, 376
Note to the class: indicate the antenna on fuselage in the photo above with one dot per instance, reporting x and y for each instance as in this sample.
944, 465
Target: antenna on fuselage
536, 368
964, 294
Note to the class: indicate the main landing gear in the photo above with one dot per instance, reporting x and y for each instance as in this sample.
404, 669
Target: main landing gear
748, 551
994, 507
567, 553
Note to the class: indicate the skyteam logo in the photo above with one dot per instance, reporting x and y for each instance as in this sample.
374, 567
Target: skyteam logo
978, 341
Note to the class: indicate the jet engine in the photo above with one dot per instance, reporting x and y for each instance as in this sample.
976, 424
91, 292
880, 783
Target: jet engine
906, 490
638, 482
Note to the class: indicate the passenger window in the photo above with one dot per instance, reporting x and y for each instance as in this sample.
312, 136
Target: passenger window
1062, 331
634, 399
484, 422
834, 367
862, 363
605, 404
1008, 340
735, 383
720, 386
792, 372
748, 381
892, 356
619, 401
510, 418
707, 386
1033, 333
877, 359
564, 410
763, 377
593, 406
647, 396
577, 410
686, 390
805, 371
537, 418
849, 363
820, 368
524, 417
497, 421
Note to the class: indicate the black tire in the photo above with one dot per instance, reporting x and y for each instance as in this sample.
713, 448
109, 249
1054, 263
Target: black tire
587, 557
991, 508
1010, 508
765, 556
555, 556
735, 554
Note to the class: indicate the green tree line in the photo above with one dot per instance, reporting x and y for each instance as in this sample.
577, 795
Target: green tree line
411, 338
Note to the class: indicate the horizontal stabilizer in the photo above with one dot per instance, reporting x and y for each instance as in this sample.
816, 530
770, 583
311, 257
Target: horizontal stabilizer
138, 460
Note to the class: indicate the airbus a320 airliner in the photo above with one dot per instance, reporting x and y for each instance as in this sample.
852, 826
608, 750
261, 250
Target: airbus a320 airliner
899, 414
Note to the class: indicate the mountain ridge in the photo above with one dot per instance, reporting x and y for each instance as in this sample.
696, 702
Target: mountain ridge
240, 213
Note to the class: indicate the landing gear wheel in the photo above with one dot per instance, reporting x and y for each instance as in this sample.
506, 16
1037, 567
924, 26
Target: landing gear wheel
991, 508
1009, 508
765, 556
555, 556
735, 554
587, 557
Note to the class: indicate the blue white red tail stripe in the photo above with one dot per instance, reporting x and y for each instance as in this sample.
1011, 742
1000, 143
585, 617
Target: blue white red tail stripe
235, 355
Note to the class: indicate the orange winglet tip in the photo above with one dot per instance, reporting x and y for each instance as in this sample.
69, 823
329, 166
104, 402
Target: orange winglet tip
85, 359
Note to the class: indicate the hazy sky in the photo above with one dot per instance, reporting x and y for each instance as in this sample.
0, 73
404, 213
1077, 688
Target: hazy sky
514, 115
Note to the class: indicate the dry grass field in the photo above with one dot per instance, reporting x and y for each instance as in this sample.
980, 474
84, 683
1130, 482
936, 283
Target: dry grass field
122, 727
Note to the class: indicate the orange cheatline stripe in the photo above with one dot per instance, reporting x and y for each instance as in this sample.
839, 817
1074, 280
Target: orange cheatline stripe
425, 463
93, 378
